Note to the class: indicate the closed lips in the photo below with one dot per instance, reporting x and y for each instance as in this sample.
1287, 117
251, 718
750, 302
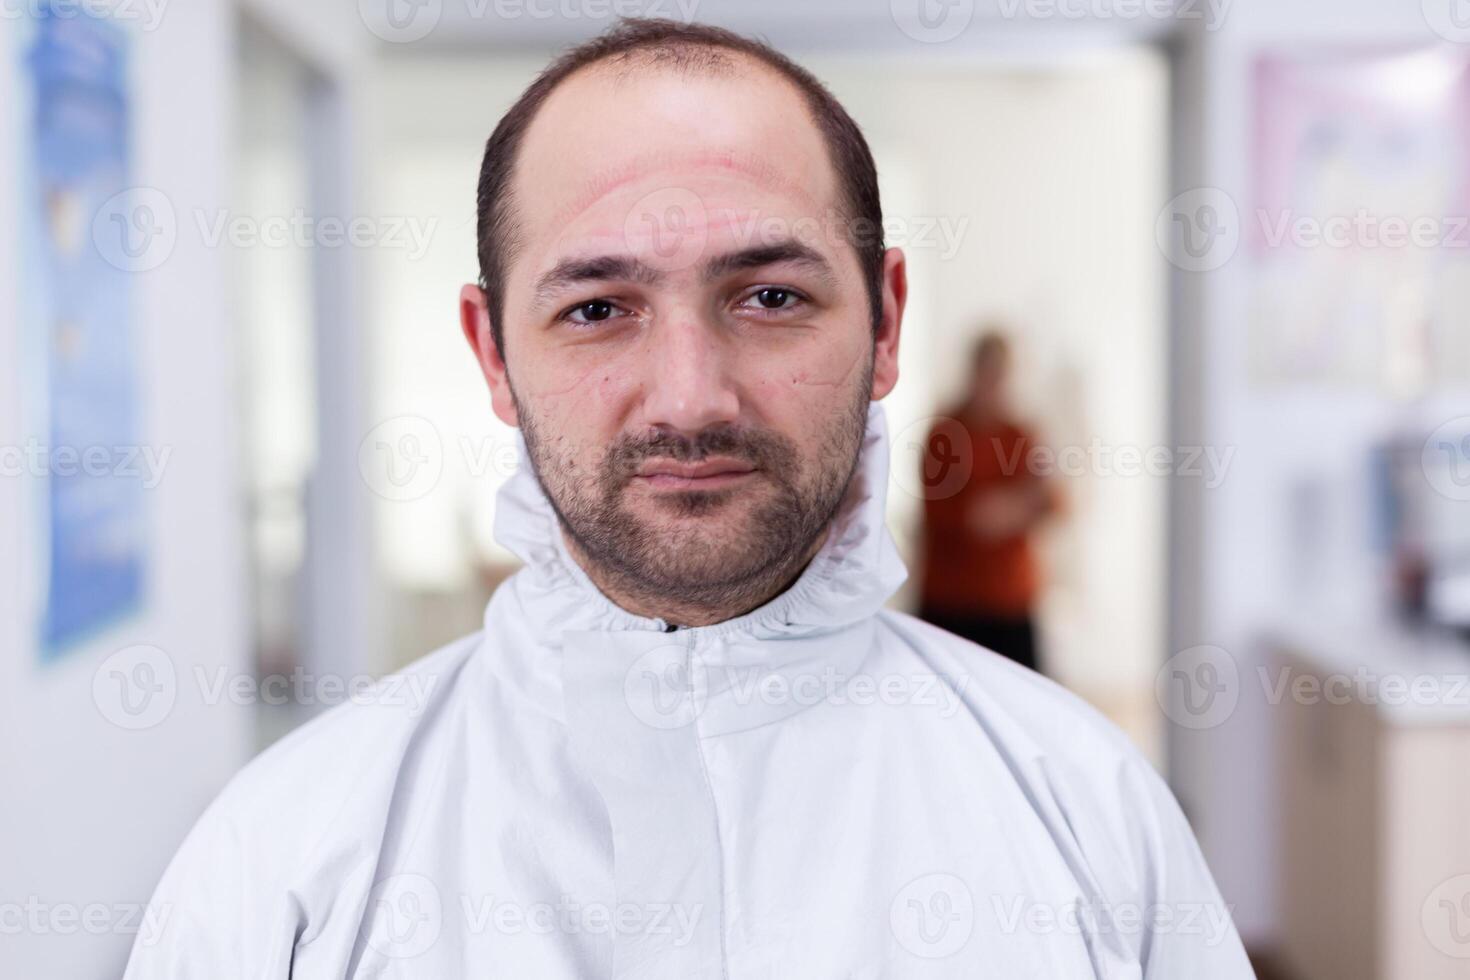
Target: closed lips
667, 472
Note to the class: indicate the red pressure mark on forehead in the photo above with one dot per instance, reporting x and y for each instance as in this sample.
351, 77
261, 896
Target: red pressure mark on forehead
731, 159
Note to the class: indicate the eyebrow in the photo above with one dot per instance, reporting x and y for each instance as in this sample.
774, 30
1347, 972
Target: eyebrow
600, 268
789, 251
603, 268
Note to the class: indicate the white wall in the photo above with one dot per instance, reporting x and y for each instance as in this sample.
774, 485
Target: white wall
91, 812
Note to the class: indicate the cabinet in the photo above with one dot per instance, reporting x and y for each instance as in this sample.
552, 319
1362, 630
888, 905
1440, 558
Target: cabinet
1375, 807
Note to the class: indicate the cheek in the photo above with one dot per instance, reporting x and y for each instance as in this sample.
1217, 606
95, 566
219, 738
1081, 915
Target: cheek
583, 398
809, 380
804, 397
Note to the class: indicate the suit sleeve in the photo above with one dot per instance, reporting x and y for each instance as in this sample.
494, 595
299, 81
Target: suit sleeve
1186, 929
214, 917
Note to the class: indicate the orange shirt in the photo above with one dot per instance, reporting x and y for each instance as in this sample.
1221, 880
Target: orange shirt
964, 573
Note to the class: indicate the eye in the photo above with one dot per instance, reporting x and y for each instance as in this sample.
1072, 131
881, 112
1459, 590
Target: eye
593, 311
772, 299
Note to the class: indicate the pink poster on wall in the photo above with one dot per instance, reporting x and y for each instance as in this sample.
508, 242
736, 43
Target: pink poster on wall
1359, 226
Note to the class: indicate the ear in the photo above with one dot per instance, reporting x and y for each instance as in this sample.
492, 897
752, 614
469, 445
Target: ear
474, 320
885, 343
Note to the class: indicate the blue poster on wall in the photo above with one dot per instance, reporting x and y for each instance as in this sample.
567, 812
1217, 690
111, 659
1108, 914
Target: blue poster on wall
83, 452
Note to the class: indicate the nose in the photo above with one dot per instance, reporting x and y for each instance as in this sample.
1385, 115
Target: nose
688, 386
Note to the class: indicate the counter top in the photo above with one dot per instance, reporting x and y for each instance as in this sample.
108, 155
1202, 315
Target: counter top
1413, 676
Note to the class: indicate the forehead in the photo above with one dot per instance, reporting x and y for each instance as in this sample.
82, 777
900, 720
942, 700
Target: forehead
738, 137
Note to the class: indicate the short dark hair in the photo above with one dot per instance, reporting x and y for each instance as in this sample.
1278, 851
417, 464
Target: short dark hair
688, 46
991, 343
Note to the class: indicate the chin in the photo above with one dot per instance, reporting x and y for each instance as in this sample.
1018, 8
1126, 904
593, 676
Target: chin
702, 551
709, 506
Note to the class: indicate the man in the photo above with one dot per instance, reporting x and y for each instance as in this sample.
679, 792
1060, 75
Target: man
689, 742
980, 576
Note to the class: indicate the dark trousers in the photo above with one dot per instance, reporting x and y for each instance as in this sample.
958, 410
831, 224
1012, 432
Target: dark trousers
1009, 636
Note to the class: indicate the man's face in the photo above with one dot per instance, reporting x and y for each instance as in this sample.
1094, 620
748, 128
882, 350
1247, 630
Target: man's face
688, 342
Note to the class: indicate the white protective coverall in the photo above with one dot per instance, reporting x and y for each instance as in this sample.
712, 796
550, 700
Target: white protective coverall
820, 788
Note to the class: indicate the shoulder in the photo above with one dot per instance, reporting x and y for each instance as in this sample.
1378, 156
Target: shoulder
361, 733
336, 773
235, 893
1050, 719
1104, 804
1072, 759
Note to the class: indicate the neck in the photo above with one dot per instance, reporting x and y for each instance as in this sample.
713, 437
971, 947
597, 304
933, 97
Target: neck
640, 599
983, 410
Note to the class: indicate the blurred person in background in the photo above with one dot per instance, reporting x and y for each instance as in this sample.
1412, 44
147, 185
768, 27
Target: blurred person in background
981, 576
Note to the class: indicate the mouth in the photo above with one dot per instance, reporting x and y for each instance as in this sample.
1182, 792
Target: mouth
708, 474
